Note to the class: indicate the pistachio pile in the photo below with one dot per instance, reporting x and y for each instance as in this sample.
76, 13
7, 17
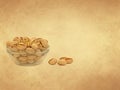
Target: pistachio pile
27, 50
62, 61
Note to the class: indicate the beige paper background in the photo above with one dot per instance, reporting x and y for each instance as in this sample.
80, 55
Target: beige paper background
87, 30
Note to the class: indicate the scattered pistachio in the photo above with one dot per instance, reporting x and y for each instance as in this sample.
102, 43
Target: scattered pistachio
69, 60
52, 61
62, 62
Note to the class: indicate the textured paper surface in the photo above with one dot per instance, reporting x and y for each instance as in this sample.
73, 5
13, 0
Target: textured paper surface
87, 30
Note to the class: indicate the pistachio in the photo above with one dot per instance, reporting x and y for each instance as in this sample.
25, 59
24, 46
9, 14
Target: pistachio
52, 61
38, 57
31, 57
12, 46
35, 46
38, 53
14, 49
42, 48
30, 50
26, 39
22, 53
21, 46
36, 41
62, 62
22, 58
28, 44
44, 43
21, 39
13, 43
16, 39
69, 60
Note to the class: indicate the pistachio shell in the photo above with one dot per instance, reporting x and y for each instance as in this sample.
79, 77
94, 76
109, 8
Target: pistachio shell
37, 40
38, 53
31, 57
13, 43
21, 39
22, 58
22, 53
28, 44
69, 60
43, 49
21, 46
14, 49
37, 58
44, 43
16, 39
30, 50
62, 62
35, 46
26, 39
52, 61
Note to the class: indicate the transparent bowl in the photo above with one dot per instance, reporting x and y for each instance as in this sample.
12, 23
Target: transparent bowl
24, 59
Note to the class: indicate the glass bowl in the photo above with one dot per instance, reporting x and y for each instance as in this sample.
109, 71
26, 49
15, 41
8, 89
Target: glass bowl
24, 59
